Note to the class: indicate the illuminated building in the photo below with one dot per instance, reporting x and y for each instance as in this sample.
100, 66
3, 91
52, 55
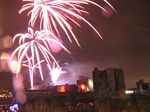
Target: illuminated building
62, 97
6, 97
82, 84
90, 85
63, 88
107, 83
85, 84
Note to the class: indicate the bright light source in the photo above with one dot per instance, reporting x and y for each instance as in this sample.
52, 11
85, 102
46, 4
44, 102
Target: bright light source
15, 68
5, 56
90, 82
90, 85
83, 86
55, 73
129, 91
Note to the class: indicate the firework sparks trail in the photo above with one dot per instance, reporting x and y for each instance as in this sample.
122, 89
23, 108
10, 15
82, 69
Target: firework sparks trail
55, 72
35, 44
52, 12
31, 69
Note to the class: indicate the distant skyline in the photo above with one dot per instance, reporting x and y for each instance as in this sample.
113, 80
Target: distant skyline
125, 44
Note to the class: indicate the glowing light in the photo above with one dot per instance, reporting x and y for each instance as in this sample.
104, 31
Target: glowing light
89, 85
54, 13
14, 67
5, 56
83, 86
129, 91
56, 47
55, 72
7, 41
90, 82
4, 61
14, 108
61, 88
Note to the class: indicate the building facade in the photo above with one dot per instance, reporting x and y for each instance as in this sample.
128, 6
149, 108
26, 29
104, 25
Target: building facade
143, 87
66, 97
107, 83
84, 84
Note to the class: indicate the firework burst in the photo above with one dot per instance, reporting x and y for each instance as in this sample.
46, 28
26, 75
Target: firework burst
54, 13
55, 72
34, 47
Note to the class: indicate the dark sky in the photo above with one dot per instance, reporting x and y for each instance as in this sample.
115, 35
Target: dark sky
125, 44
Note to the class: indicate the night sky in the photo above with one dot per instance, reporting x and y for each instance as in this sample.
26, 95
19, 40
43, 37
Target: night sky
125, 43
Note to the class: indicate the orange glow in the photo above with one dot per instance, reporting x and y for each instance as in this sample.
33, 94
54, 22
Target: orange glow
8, 41
5, 56
83, 86
15, 68
4, 60
61, 88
